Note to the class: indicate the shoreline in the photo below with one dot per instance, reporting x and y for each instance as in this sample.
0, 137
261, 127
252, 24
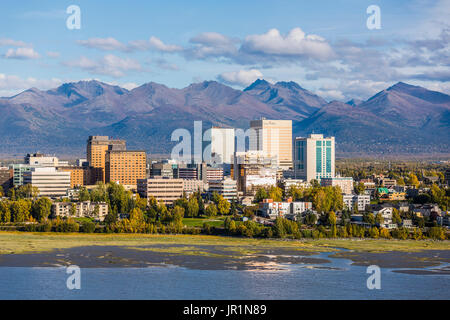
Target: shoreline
204, 252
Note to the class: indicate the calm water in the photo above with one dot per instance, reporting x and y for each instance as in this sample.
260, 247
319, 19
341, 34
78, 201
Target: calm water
295, 282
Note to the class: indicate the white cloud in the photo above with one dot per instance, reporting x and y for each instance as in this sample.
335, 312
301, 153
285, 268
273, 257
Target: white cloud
295, 44
107, 44
212, 44
157, 44
241, 78
112, 44
12, 84
21, 53
109, 65
12, 43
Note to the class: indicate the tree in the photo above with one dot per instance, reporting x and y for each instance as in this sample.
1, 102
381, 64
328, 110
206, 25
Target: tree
223, 206
261, 194
379, 219
359, 188
192, 208
211, 210
396, 216
137, 215
41, 209
296, 192
276, 194
413, 181
178, 213
84, 195
5, 212
369, 218
20, 210
332, 218
310, 219
2, 192
27, 191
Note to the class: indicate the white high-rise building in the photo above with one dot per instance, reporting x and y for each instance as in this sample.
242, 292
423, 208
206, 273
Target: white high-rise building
222, 145
314, 157
274, 138
49, 181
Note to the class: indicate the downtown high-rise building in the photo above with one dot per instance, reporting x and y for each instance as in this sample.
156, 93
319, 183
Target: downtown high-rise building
273, 138
97, 146
222, 145
314, 157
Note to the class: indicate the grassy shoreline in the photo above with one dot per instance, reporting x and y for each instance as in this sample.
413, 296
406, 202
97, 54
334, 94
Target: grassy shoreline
20, 242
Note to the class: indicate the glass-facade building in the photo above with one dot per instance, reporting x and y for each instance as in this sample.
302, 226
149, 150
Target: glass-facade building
314, 157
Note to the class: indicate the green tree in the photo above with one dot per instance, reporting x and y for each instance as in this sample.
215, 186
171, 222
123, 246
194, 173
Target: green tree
211, 210
261, 194
276, 194
413, 181
359, 188
84, 195
41, 209
5, 211
178, 213
223, 206
379, 219
369, 218
192, 208
332, 218
20, 210
396, 217
310, 219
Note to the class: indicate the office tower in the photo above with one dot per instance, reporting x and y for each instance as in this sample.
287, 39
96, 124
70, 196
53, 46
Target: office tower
18, 172
274, 138
96, 152
253, 170
125, 167
6, 179
165, 190
222, 145
51, 183
226, 188
314, 157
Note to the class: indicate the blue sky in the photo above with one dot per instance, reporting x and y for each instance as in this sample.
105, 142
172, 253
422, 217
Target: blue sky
325, 46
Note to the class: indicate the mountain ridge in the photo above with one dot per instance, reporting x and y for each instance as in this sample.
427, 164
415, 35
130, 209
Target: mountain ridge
402, 118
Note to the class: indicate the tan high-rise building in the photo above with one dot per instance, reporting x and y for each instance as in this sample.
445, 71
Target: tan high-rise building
274, 138
125, 167
96, 152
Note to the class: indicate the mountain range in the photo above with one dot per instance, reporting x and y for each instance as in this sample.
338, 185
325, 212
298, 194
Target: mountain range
402, 119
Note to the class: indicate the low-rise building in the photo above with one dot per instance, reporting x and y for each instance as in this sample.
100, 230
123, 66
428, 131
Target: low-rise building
225, 187
352, 200
345, 183
191, 186
96, 210
270, 209
165, 190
